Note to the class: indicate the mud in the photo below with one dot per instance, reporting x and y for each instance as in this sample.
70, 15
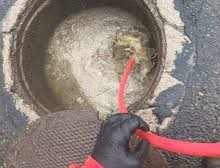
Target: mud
88, 53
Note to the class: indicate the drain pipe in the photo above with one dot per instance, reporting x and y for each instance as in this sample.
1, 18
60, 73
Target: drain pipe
180, 147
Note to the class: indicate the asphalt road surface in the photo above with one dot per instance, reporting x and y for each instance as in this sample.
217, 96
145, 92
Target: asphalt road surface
199, 113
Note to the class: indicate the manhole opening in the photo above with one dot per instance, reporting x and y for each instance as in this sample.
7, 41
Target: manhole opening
41, 32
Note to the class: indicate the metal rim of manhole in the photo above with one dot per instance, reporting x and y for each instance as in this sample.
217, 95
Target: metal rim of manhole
20, 52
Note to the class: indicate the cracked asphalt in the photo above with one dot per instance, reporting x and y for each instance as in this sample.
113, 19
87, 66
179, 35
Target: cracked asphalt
198, 98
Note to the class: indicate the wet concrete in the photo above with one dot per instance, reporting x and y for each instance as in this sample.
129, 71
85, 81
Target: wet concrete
94, 55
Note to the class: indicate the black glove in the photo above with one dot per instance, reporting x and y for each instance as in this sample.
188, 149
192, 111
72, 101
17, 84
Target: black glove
112, 146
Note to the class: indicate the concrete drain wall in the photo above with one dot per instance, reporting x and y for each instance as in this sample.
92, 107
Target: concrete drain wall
40, 87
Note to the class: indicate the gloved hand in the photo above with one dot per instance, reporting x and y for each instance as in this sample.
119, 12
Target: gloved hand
112, 146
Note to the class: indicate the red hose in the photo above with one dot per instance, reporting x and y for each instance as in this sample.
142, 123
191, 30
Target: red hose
186, 148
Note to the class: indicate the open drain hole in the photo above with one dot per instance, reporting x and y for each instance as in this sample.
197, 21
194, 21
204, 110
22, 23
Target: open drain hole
71, 54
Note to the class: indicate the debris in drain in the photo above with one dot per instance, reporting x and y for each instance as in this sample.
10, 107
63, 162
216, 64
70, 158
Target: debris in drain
88, 53
133, 43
